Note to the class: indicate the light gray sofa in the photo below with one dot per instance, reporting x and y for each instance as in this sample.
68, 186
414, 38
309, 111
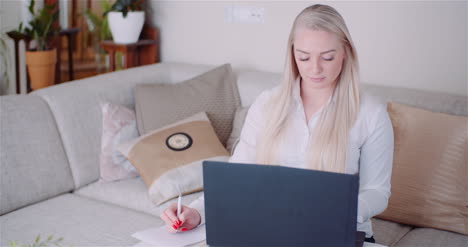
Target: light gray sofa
49, 156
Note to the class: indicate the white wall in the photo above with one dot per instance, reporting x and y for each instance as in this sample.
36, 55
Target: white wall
420, 44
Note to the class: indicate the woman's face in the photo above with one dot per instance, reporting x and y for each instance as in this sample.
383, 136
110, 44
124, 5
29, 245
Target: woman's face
319, 57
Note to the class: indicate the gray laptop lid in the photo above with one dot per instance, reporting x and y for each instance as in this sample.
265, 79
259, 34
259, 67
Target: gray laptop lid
261, 205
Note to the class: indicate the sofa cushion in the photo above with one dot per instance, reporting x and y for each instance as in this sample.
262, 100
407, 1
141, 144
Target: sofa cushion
169, 159
237, 124
430, 169
129, 193
33, 163
118, 126
76, 109
252, 83
79, 220
388, 233
427, 237
431, 101
214, 92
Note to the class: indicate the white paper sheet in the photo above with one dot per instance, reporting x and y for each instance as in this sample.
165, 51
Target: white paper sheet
160, 236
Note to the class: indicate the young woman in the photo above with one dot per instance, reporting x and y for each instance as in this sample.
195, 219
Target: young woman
317, 119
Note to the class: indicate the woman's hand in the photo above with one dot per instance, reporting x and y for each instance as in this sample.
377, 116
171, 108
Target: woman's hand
188, 219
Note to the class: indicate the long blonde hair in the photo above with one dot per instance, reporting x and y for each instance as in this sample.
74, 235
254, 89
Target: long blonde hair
328, 143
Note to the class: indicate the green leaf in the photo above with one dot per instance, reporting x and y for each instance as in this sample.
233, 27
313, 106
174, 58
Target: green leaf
38, 238
31, 7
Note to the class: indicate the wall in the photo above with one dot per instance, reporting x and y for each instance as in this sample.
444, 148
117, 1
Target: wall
412, 44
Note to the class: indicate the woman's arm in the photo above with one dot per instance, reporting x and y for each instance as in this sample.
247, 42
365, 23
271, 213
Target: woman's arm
376, 167
245, 151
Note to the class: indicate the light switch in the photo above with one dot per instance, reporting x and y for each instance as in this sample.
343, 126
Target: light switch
244, 14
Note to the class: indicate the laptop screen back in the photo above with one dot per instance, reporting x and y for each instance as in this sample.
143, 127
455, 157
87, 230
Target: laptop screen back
261, 205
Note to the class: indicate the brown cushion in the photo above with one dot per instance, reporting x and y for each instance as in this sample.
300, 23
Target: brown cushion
214, 92
170, 158
430, 169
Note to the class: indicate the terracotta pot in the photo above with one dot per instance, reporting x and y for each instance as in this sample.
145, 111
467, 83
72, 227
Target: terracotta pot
41, 68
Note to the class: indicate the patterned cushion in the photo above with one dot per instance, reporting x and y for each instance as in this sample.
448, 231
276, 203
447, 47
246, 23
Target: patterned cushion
118, 126
214, 92
237, 125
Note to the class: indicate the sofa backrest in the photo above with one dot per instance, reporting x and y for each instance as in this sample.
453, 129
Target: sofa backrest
252, 83
77, 112
33, 164
76, 108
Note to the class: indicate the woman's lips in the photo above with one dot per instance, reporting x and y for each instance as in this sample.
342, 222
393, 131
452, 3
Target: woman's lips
317, 79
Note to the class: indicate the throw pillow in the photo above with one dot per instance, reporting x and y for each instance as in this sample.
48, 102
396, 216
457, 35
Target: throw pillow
214, 92
169, 159
118, 126
430, 169
237, 124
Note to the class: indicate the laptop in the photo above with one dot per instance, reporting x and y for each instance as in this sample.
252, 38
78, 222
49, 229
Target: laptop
263, 205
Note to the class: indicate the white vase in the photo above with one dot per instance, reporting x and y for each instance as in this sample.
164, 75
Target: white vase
126, 30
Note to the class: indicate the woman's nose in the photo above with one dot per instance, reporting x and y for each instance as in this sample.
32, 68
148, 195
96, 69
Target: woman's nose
315, 66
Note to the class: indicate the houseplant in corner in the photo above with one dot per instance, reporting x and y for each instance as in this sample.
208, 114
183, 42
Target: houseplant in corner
126, 20
40, 61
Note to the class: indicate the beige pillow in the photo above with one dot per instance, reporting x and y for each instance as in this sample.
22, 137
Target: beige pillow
430, 169
238, 123
214, 92
169, 158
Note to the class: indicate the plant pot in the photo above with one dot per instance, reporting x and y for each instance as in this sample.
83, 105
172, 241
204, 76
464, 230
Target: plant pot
41, 68
126, 30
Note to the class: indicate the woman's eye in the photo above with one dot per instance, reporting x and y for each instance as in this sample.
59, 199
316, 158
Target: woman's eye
303, 59
328, 58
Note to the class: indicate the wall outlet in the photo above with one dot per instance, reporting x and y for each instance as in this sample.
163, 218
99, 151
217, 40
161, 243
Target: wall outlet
244, 14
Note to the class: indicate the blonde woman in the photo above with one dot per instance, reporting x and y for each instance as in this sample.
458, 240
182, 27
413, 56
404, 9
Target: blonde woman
317, 119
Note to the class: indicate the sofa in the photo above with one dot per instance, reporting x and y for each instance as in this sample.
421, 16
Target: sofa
49, 156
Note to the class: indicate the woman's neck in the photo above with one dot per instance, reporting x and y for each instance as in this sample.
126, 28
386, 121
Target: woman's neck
315, 98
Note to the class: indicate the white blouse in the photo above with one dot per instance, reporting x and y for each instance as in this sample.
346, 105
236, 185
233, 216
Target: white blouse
370, 148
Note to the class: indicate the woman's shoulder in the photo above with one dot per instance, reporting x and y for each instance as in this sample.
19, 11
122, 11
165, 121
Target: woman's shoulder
370, 105
372, 111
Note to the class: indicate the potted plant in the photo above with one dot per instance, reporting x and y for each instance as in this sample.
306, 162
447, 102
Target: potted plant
126, 20
99, 27
42, 59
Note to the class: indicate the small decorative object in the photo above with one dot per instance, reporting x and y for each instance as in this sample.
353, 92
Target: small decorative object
41, 61
179, 141
126, 20
38, 243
